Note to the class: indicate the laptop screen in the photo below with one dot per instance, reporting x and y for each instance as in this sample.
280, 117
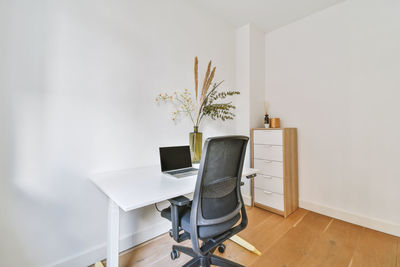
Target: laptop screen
175, 157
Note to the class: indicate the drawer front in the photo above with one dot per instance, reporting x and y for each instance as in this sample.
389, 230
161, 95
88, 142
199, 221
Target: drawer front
269, 183
268, 167
268, 198
268, 152
268, 137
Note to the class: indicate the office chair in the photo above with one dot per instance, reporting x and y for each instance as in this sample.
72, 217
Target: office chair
213, 215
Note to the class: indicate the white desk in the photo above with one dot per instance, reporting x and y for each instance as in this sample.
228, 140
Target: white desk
135, 188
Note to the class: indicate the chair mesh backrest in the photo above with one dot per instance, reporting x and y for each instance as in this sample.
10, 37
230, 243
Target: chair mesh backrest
220, 184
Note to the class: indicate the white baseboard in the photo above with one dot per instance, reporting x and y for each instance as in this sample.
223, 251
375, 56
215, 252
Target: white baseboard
98, 253
246, 200
372, 223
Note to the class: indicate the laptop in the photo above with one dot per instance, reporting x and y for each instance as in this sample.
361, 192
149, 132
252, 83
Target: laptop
176, 161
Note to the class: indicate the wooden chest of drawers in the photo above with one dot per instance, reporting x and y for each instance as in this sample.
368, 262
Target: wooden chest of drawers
274, 153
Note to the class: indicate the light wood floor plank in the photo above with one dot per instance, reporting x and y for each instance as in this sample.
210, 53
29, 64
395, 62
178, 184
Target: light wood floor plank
256, 216
375, 249
335, 246
295, 244
398, 252
151, 253
164, 259
271, 230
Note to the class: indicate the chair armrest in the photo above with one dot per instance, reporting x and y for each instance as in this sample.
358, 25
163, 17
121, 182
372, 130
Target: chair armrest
180, 201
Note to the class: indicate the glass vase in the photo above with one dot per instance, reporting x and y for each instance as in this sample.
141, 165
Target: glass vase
196, 142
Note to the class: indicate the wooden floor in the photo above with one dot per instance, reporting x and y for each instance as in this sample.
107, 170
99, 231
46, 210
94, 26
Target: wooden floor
303, 239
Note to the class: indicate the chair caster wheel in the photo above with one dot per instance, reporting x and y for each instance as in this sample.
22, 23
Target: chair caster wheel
174, 254
170, 233
221, 248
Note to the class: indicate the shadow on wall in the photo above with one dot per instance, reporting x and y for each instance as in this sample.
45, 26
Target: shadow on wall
44, 216
13, 248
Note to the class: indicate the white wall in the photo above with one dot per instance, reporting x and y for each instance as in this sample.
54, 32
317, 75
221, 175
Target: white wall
78, 82
250, 74
242, 82
257, 76
335, 76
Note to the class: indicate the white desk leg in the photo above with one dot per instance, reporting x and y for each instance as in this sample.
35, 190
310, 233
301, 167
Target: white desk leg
113, 234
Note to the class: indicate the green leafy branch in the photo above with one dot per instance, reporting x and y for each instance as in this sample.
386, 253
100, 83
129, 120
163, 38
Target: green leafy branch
223, 111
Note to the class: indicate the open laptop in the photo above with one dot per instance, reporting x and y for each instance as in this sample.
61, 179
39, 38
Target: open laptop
176, 161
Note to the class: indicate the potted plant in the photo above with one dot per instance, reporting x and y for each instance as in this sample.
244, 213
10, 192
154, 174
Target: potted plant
207, 102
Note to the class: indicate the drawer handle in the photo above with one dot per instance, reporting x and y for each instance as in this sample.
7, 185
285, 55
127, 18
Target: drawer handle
268, 192
267, 161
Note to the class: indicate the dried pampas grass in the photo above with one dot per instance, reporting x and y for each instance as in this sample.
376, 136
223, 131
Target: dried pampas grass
196, 76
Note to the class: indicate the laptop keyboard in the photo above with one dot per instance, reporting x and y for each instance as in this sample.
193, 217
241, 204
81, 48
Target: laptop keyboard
183, 173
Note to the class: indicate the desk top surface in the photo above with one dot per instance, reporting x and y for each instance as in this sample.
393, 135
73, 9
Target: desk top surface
135, 188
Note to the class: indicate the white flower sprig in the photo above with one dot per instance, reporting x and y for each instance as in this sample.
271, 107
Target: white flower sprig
183, 103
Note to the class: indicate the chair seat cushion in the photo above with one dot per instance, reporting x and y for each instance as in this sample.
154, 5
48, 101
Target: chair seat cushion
207, 231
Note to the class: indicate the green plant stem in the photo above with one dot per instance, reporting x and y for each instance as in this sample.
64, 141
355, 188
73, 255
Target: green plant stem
199, 113
187, 111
